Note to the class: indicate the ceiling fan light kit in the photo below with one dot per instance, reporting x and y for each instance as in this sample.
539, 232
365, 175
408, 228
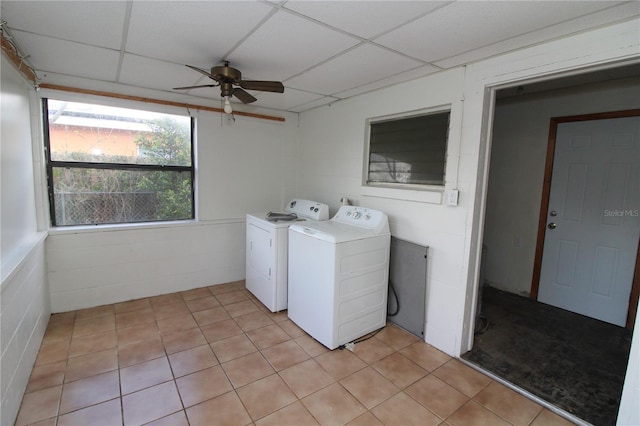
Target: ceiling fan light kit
227, 77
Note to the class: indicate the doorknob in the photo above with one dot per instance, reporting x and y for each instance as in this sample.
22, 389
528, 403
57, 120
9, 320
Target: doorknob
553, 213
552, 225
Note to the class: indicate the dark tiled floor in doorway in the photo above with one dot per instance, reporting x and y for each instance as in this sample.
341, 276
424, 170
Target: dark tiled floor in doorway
574, 362
215, 355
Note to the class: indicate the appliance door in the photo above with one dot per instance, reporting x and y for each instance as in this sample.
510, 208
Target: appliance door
312, 270
260, 263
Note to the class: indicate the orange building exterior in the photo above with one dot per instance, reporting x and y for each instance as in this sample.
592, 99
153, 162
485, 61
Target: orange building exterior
92, 140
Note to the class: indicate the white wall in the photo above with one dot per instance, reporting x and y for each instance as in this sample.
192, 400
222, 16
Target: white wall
241, 167
518, 155
24, 298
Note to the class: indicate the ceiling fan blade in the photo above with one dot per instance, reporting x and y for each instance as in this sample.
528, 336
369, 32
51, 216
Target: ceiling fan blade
263, 86
195, 87
201, 71
243, 96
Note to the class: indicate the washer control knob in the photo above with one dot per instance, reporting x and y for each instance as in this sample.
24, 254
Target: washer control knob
356, 215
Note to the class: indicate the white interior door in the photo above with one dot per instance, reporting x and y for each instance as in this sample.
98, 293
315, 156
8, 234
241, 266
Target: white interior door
593, 221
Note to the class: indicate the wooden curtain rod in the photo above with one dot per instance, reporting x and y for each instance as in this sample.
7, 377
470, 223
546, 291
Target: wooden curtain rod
12, 54
155, 101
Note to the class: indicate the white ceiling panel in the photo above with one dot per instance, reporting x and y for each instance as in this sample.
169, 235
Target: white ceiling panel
66, 57
198, 33
464, 26
362, 65
154, 74
321, 50
287, 45
365, 19
98, 23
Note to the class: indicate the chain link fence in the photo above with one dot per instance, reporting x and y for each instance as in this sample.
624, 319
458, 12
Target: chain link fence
87, 208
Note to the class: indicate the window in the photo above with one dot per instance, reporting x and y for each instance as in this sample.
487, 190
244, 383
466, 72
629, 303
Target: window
408, 150
109, 165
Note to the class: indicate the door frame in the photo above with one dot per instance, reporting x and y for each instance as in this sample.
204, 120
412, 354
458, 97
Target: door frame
544, 207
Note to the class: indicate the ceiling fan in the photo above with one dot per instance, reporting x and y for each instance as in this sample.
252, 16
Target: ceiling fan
227, 77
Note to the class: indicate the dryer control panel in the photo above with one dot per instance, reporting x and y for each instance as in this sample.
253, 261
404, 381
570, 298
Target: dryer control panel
362, 217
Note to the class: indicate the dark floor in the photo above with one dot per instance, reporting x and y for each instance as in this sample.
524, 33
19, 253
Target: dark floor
574, 362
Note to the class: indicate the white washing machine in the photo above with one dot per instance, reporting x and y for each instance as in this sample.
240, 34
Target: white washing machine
338, 274
266, 249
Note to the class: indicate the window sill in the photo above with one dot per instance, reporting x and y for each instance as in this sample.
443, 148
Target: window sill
80, 229
430, 195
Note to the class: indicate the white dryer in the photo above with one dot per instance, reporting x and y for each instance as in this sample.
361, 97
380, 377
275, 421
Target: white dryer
338, 275
266, 249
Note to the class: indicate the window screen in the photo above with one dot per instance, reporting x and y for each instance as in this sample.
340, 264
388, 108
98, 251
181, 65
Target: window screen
114, 165
409, 150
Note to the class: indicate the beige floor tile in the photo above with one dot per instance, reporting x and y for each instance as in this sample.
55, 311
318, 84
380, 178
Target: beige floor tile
310, 345
224, 410
253, 320
292, 415
165, 299
139, 317
140, 351
268, 336
266, 396
291, 328
400, 370
171, 310
192, 360
231, 297
340, 363
285, 355
103, 414
175, 419
437, 396
151, 404
202, 303
60, 331
91, 364
233, 347
227, 287
548, 418
46, 376
92, 390
91, 313
46, 422
132, 305
93, 326
508, 404
462, 377
247, 369
241, 308
93, 343
396, 337
210, 316
333, 405
372, 350
177, 323
401, 409
53, 351
369, 387
220, 330
203, 385
306, 378
196, 293
426, 356
366, 419
138, 333
473, 413
39, 405
145, 374
181, 340
276, 317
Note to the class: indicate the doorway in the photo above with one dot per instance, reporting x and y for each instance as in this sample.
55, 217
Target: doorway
517, 169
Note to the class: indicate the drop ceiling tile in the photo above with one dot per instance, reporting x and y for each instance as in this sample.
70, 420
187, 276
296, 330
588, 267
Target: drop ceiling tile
66, 57
327, 100
286, 45
364, 18
362, 65
198, 33
464, 26
284, 101
154, 74
389, 81
98, 23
